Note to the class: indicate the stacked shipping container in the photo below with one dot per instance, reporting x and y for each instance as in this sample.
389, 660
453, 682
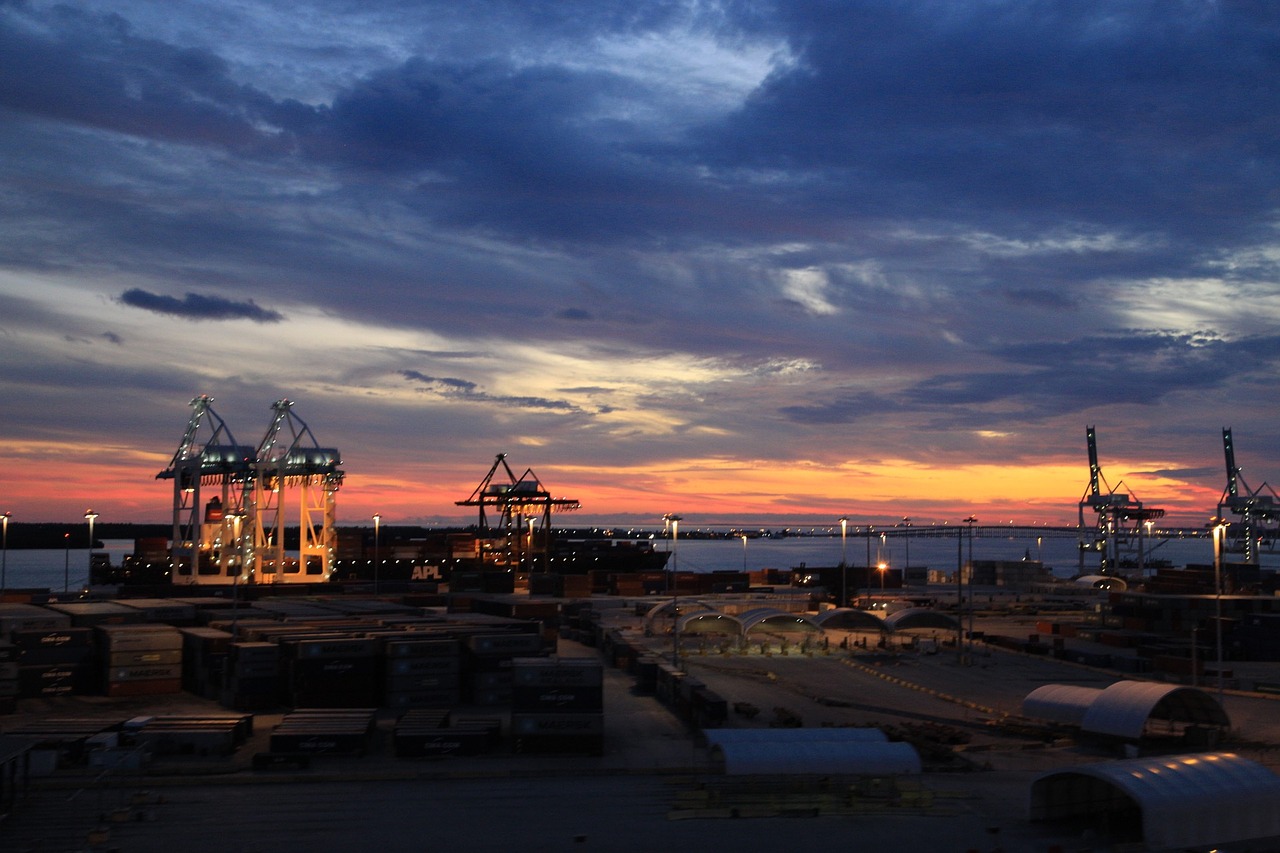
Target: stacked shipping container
557, 705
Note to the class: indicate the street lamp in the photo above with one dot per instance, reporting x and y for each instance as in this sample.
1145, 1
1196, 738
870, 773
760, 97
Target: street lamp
882, 567
1219, 527
744, 552
867, 570
844, 563
906, 543
91, 517
971, 521
674, 520
377, 524
66, 562
4, 561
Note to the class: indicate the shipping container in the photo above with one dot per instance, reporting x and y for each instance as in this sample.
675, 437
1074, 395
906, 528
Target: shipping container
551, 699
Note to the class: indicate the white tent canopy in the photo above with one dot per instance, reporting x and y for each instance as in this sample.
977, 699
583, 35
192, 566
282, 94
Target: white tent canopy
1060, 703
1175, 802
1123, 709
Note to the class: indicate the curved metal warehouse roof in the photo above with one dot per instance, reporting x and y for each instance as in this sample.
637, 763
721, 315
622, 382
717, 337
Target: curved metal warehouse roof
850, 619
1122, 710
778, 620
1060, 703
1177, 802
920, 617
708, 622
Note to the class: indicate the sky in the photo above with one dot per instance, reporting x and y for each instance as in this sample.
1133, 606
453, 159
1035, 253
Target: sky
740, 261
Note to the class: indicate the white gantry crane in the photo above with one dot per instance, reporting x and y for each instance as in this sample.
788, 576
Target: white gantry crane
237, 534
208, 536
289, 457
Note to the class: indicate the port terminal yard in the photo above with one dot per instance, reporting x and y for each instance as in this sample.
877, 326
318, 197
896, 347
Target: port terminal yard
653, 783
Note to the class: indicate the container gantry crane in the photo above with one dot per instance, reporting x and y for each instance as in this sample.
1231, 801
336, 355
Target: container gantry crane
208, 538
1120, 517
289, 456
517, 500
1258, 509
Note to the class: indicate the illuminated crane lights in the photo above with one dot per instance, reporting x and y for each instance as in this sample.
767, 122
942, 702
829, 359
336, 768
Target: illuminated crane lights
517, 500
289, 455
241, 533
204, 546
1258, 509
1121, 516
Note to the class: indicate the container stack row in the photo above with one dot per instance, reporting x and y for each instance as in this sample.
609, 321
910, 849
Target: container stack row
557, 705
140, 660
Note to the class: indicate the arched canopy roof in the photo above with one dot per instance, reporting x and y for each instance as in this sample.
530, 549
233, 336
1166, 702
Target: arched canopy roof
778, 621
1185, 801
1122, 710
1060, 703
920, 617
675, 606
708, 622
850, 619
828, 757
1102, 582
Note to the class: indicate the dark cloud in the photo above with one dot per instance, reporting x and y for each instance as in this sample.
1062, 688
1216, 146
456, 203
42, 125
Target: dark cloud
195, 306
1067, 378
446, 383
453, 387
1151, 116
574, 314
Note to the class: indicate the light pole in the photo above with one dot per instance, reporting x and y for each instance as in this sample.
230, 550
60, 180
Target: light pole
906, 543
66, 563
882, 567
91, 517
1218, 527
971, 521
867, 570
4, 561
675, 589
377, 525
744, 552
844, 563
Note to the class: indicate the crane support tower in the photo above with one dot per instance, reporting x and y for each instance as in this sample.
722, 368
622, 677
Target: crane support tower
208, 548
290, 457
1121, 518
517, 501
237, 534
1258, 510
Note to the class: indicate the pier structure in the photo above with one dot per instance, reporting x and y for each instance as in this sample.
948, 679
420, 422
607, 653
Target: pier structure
236, 535
1122, 520
517, 502
1258, 510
